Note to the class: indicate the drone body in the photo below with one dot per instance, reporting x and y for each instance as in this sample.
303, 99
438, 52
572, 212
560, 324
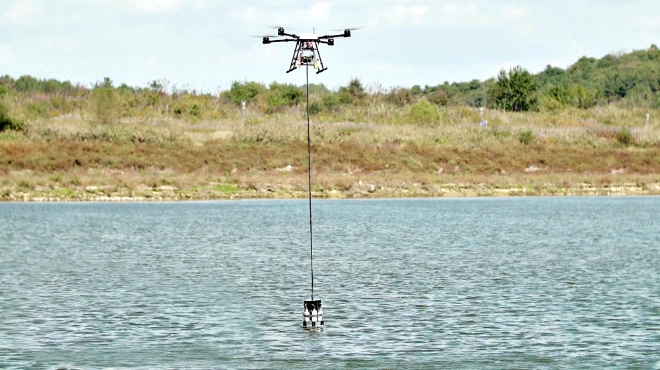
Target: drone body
307, 51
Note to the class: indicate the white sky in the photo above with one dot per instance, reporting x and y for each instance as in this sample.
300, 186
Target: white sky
204, 44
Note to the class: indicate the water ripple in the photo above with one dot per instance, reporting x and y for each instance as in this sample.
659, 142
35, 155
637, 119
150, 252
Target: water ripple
464, 283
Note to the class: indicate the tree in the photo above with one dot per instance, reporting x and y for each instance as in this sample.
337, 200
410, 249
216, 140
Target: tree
26, 83
514, 90
244, 91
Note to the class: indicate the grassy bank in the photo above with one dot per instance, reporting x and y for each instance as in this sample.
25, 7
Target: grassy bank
598, 151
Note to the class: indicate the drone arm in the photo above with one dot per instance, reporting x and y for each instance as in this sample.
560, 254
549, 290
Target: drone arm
284, 40
332, 36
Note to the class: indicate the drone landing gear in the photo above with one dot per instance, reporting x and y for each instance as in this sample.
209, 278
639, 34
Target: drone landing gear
314, 60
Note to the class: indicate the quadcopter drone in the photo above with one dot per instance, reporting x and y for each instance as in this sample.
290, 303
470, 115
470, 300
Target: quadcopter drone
306, 52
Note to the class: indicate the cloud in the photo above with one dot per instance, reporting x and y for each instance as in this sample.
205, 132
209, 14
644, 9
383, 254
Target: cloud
21, 10
400, 15
459, 9
648, 21
248, 14
320, 11
513, 11
6, 54
249, 18
155, 6
204, 42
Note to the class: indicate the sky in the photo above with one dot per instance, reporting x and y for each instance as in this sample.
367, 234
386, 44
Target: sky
205, 45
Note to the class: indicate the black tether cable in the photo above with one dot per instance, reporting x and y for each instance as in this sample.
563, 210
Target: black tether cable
309, 188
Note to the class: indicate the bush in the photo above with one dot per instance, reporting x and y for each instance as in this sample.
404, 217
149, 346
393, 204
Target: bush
439, 97
315, 107
39, 109
526, 137
400, 96
354, 90
330, 102
624, 136
104, 104
283, 95
424, 112
7, 123
577, 96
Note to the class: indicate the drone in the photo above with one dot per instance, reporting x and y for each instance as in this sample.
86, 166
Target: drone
306, 52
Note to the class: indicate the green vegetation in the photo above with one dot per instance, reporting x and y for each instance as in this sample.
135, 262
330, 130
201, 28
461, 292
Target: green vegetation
526, 137
7, 123
424, 112
103, 101
547, 133
624, 136
514, 90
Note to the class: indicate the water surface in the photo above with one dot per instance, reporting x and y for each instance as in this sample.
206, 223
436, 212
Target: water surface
456, 283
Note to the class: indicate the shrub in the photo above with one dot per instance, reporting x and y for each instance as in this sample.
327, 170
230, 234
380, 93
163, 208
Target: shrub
39, 109
194, 110
400, 96
62, 105
354, 89
526, 137
331, 101
315, 107
282, 95
7, 123
624, 136
577, 96
104, 104
439, 97
424, 112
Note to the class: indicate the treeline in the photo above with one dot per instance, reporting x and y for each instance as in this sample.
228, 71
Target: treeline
628, 80
631, 79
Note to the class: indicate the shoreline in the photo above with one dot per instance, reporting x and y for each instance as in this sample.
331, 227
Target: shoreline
172, 194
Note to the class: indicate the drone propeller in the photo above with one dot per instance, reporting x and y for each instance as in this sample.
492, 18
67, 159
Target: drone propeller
278, 27
350, 29
269, 36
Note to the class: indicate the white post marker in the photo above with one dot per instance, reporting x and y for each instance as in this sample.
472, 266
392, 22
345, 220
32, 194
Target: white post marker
648, 118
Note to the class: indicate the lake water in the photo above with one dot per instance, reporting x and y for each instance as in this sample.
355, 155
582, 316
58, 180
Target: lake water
455, 283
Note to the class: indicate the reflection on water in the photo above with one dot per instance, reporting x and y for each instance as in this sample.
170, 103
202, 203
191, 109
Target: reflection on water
463, 283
